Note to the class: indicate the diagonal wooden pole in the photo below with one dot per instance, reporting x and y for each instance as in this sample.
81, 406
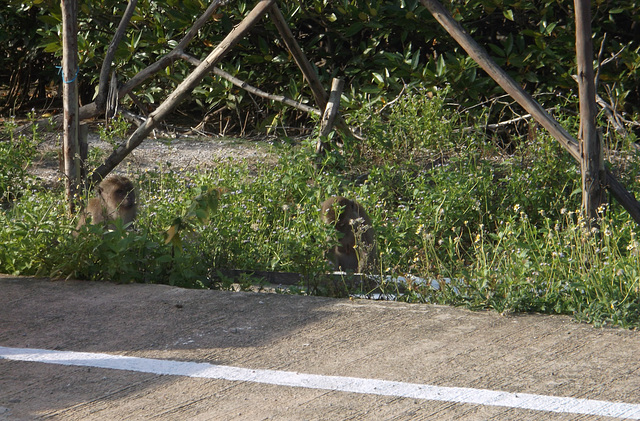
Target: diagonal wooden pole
309, 73
479, 54
182, 90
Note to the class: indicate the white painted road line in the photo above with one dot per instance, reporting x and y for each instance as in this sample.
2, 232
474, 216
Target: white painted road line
336, 383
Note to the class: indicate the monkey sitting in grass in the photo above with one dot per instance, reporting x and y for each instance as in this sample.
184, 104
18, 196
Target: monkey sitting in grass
356, 250
116, 199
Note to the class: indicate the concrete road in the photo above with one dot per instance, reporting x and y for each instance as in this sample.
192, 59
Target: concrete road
137, 352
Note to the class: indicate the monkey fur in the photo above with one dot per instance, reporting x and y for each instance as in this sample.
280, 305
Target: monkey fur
356, 251
116, 198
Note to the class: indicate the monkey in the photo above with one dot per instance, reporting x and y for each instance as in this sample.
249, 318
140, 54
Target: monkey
116, 198
357, 250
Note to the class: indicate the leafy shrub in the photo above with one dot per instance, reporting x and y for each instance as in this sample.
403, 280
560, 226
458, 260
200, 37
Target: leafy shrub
377, 46
16, 154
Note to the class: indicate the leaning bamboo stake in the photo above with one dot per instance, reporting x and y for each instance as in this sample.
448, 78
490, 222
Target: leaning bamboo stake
626, 199
301, 60
182, 90
308, 72
330, 113
173, 55
252, 89
480, 55
98, 105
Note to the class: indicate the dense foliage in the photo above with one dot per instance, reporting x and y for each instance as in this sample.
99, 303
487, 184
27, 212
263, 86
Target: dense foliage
377, 46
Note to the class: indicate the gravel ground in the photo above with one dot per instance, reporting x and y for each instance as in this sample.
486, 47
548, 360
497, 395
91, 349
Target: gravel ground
185, 152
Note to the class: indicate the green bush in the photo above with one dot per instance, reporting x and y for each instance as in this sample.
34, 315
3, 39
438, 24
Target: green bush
16, 154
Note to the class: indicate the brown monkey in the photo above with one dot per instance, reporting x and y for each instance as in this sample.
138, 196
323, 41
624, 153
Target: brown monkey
356, 250
116, 199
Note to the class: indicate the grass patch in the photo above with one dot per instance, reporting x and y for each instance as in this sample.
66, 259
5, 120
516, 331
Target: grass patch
498, 231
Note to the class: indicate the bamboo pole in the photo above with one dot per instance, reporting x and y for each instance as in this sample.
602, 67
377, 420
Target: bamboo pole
309, 73
480, 55
70, 146
330, 113
252, 89
626, 199
591, 162
182, 90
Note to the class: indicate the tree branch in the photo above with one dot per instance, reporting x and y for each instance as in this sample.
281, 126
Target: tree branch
252, 89
187, 85
97, 107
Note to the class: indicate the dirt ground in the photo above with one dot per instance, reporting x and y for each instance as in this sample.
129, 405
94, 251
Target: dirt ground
177, 153
425, 344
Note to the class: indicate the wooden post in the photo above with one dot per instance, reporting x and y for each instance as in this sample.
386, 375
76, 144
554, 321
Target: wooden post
591, 162
318, 91
330, 113
309, 73
70, 100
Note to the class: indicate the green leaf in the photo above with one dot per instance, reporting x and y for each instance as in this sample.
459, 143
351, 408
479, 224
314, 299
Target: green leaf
354, 29
508, 14
509, 44
497, 50
440, 66
549, 29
